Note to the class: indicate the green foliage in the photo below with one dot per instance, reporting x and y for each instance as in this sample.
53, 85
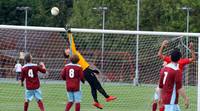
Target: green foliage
155, 15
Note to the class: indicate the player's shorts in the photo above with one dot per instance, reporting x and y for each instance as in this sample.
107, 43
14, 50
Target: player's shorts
74, 96
157, 94
30, 94
174, 107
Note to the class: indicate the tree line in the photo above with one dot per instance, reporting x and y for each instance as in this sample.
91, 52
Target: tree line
155, 15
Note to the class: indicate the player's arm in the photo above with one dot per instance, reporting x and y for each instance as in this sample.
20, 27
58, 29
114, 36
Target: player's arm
81, 75
14, 69
193, 58
72, 46
63, 74
72, 43
186, 61
161, 80
163, 45
22, 78
181, 91
42, 67
66, 53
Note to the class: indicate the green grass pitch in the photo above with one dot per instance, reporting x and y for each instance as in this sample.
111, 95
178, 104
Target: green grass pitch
130, 98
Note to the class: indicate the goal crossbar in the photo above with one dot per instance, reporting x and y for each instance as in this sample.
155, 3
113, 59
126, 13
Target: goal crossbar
79, 30
126, 32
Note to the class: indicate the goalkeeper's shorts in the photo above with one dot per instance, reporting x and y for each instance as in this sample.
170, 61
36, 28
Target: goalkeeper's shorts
91, 78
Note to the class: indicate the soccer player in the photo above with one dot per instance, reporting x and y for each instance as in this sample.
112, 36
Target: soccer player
30, 74
182, 63
170, 84
89, 74
18, 70
73, 74
156, 98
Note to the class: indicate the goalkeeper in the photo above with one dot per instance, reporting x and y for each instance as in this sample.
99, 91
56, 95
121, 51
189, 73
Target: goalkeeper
89, 73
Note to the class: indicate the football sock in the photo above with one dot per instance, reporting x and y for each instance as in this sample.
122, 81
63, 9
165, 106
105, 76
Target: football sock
78, 106
68, 106
102, 91
40, 105
154, 106
162, 109
25, 106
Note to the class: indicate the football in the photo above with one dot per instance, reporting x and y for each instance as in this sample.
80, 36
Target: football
54, 11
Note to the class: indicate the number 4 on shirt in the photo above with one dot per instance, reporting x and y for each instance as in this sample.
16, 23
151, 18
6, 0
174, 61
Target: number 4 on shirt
30, 73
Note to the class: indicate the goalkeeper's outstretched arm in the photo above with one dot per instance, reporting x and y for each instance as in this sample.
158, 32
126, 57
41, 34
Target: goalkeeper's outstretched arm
71, 43
72, 50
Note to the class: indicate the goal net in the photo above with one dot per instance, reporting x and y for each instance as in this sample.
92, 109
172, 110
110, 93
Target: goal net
112, 52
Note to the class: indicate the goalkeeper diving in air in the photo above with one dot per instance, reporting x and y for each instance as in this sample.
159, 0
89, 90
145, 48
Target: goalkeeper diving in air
89, 74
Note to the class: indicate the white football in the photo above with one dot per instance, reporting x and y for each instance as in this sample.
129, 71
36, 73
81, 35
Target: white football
54, 11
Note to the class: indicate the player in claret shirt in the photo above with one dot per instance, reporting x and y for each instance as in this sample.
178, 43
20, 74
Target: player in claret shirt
30, 75
73, 74
183, 61
167, 59
170, 85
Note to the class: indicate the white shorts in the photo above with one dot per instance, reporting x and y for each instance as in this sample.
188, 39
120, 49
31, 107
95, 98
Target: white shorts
30, 94
74, 96
172, 107
157, 94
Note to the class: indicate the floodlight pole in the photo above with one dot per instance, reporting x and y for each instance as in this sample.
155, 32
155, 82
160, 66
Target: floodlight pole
187, 38
103, 9
25, 21
187, 24
137, 46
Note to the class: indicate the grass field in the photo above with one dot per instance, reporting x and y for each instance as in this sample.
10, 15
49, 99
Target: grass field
130, 98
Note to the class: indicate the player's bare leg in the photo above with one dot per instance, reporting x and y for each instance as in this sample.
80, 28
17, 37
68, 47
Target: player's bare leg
156, 98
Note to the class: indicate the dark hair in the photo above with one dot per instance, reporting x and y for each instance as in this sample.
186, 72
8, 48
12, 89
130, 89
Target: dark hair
28, 58
74, 59
175, 55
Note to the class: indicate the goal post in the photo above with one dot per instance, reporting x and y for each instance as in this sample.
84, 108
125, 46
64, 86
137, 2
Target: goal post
198, 98
119, 61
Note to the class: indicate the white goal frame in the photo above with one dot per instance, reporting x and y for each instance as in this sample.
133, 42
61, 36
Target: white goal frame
117, 32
